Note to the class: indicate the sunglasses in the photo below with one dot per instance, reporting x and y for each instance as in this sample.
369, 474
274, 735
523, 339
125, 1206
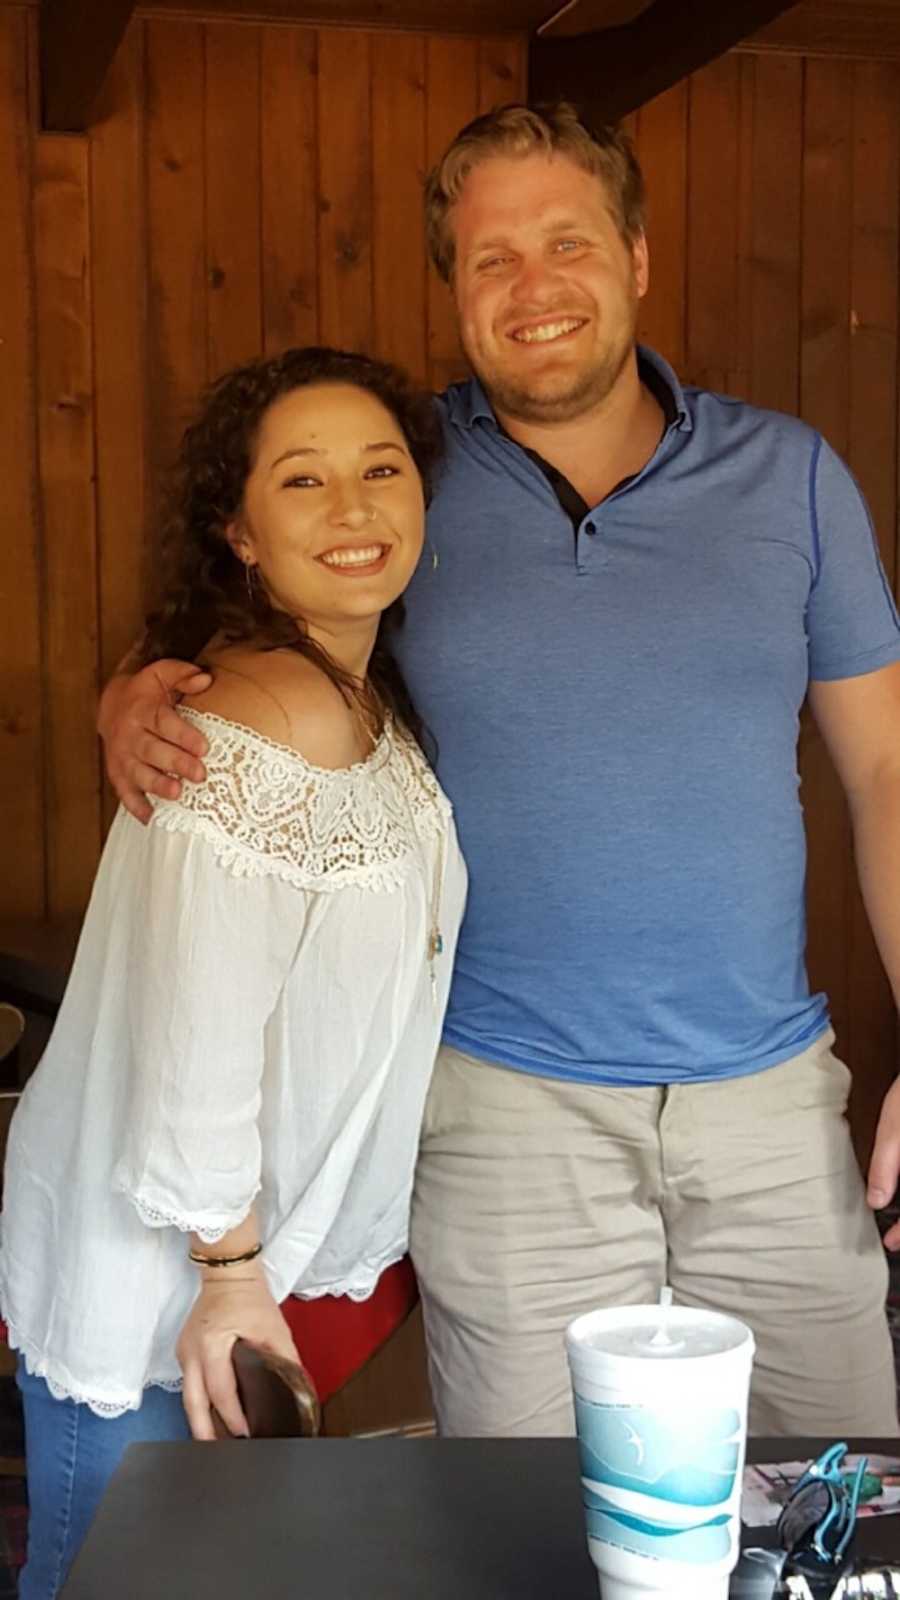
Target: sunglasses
819, 1518
815, 1533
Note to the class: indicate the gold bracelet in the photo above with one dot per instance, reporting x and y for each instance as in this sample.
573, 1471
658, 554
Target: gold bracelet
223, 1261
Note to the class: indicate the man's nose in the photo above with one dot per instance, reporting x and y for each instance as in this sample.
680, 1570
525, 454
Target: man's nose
536, 283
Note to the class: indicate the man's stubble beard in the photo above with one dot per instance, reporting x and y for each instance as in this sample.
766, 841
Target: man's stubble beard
584, 391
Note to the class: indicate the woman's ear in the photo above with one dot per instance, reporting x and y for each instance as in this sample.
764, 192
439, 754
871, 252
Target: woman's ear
240, 542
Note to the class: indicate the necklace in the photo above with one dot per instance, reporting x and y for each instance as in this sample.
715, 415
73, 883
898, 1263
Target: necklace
434, 943
366, 712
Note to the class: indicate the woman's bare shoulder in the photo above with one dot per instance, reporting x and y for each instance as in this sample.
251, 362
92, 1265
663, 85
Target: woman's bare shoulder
284, 697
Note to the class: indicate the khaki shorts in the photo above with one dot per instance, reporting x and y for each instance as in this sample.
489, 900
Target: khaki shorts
536, 1200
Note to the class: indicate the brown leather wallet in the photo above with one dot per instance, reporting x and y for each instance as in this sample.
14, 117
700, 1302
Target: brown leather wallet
278, 1397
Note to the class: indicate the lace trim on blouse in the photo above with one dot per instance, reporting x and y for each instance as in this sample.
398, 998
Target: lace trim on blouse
360, 1288
206, 1229
267, 812
40, 1367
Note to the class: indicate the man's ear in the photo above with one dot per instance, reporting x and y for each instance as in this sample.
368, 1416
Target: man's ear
640, 257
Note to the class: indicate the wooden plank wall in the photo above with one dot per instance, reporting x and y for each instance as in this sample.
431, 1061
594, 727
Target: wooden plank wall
774, 275
244, 187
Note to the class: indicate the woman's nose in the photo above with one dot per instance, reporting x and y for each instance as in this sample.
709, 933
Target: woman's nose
351, 509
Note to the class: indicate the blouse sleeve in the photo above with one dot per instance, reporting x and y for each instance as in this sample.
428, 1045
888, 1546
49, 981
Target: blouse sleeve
208, 952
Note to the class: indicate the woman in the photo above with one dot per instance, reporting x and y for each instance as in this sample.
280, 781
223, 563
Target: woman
228, 1111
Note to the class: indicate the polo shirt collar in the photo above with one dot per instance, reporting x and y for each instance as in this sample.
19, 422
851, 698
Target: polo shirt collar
467, 402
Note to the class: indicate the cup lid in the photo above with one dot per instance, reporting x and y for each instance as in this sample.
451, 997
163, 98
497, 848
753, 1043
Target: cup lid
656, 1333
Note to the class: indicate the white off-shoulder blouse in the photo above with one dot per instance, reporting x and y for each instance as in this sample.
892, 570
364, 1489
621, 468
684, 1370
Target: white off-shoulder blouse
252, 1018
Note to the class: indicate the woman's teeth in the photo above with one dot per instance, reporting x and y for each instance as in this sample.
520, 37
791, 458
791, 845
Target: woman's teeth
354, 558
547, 330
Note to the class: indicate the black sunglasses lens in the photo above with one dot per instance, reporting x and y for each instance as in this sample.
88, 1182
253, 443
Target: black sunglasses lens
803, 1513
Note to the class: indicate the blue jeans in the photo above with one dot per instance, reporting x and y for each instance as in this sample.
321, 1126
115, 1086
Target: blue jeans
71, 1455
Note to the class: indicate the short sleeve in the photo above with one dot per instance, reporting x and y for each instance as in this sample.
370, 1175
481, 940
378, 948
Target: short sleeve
852, 621
209, 954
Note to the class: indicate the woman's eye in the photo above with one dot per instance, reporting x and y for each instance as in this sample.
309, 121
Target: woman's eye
301, 480
385, 470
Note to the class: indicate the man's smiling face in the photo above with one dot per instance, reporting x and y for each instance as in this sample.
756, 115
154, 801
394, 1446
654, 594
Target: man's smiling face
546, 288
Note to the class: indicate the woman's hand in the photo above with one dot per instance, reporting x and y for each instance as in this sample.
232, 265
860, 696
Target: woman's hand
226, 1309
148, 745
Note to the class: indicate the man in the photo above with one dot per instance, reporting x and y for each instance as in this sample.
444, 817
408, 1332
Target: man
635, 587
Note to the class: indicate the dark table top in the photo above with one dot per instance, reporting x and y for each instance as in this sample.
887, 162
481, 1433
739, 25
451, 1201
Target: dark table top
362, 1519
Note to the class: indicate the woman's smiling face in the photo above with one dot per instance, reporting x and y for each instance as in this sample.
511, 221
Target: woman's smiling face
333, 513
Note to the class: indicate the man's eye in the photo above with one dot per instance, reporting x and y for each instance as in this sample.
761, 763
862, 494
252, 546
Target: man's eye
569, 244
492, 262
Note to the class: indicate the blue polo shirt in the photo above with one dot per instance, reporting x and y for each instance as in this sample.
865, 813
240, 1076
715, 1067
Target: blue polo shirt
616, 709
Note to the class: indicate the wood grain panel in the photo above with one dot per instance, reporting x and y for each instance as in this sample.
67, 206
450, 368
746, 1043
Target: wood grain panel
824, 397
66, 454
176, 235
872, 419
772, 318
502, 72
232, 161
290, 214
712, 276
21, 712
453, 79
740, 381
118, 274
345, 188
871, 1032
661, 144
398, 240
827, 207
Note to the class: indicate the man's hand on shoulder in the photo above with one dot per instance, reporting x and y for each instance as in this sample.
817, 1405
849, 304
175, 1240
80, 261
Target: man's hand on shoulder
149, 747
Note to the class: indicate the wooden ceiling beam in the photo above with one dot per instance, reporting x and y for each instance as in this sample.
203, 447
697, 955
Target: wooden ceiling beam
78, 41
611, 71
866, 29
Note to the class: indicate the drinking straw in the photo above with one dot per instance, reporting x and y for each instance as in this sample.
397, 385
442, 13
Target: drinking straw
661, 1340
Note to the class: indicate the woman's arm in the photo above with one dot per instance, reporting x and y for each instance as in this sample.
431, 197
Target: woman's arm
234, 1303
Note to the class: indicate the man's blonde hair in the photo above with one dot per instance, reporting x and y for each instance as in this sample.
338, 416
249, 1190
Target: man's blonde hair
518, 130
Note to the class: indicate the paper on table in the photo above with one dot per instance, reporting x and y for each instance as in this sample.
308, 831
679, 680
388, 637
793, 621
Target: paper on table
767, 1487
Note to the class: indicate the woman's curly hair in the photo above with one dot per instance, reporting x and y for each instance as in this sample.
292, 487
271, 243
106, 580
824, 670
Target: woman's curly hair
203, 590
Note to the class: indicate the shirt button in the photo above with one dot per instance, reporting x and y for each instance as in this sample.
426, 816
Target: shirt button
590, 527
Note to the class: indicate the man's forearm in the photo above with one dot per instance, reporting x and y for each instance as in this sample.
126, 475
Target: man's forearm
111, 692
875, 815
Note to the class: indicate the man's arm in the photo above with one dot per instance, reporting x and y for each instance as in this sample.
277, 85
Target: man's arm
149, 747
859, 719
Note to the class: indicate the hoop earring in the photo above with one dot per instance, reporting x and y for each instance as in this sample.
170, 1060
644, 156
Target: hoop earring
434, 555
249, 569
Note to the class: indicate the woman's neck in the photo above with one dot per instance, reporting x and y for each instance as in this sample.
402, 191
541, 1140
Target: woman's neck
349, 646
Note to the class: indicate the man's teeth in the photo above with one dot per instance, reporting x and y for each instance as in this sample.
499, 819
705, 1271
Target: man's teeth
547, 330
353, 558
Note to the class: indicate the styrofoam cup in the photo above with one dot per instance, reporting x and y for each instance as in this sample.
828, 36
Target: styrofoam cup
661, 1412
